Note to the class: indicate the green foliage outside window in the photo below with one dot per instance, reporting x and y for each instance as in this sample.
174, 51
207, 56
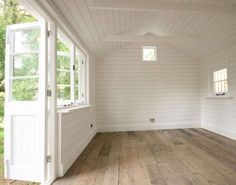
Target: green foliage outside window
25, 65
63, 71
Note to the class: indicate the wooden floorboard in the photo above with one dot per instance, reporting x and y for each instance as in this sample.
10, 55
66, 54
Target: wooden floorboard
169, 157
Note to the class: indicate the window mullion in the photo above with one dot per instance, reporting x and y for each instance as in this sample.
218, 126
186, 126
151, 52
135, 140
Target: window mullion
82, 80
72, 75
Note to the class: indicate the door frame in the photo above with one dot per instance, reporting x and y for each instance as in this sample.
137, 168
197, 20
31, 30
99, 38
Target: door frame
38, 10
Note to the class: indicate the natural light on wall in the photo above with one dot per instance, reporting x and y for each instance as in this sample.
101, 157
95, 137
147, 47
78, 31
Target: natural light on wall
220, 82
149, 53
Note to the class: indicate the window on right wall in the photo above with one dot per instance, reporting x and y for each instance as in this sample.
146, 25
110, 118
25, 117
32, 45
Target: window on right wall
220, 82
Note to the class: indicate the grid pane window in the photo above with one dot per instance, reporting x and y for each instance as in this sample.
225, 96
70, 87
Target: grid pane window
149, 53
77, 75
70, 74
220, 81
24, 77
63, 72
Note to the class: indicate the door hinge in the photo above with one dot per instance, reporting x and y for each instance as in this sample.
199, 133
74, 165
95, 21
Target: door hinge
49, 158
49, 93
74, 67
49, 33
82, 62
82, 95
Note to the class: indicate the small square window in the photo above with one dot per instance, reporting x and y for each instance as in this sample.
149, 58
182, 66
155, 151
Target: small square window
149, 53
220, 81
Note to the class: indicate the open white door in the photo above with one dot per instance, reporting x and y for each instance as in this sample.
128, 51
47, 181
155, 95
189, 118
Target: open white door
26, 102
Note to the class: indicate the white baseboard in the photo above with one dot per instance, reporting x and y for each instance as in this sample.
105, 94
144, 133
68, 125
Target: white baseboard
64, 167
218, 130
119, 128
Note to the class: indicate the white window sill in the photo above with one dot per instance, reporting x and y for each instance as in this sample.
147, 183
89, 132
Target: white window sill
64, 110
220, 97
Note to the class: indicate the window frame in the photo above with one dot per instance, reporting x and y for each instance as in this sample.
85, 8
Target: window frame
10, 39
155, 53
82, 76
82, 80
221, 93
211, 83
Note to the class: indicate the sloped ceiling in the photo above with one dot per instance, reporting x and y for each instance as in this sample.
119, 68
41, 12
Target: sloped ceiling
198, 27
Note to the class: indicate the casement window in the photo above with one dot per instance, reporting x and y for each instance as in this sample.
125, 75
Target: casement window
64, 63
80, 77
25, 62
71, 77
220, 82
149, 53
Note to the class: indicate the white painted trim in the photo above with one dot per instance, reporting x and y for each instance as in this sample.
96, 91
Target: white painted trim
52, 119
72, 109
147, 127
62, 168
220, 131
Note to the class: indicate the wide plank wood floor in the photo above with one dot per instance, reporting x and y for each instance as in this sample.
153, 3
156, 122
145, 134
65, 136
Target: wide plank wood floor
168, 157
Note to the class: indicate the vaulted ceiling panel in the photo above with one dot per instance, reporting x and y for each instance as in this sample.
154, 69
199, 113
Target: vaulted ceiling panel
198, 27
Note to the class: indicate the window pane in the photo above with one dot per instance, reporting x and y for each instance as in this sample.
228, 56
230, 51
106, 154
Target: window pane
63, 62
149, 53
26, 40
25, 89
62, 47
63, 92
77, 74
225, 76
220, 81
223, 86
220, 86
63, 77
25, 65
77, 92
222, 75
63, 72
76, 85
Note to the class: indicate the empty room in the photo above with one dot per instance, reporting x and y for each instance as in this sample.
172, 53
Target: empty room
121, 92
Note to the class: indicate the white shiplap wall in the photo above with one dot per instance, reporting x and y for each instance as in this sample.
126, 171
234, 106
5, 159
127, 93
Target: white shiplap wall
130, 91
75, 130
219, 115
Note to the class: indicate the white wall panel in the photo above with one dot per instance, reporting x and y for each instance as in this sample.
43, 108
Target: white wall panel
75, 130
218, 115
130, 91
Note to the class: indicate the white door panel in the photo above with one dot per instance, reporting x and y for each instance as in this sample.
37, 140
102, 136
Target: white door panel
25, 104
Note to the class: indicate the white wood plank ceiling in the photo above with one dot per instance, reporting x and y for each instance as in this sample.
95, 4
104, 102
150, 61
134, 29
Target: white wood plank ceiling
198, 27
